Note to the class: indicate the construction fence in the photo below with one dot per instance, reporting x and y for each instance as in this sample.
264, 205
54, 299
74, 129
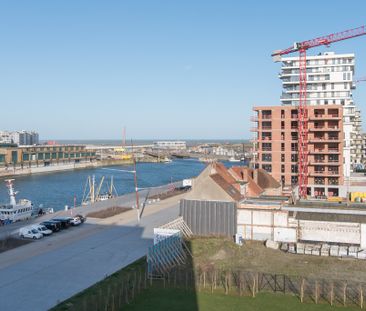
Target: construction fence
123, 291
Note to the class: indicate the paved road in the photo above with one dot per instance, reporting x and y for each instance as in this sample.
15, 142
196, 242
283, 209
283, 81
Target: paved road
127, 200
39, 275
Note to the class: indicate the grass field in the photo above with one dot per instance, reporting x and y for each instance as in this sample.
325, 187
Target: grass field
181, 300
225, 254
222, 254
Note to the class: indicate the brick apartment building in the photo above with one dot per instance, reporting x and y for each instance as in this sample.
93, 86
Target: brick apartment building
276, 146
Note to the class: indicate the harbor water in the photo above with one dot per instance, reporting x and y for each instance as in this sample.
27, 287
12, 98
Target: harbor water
55, 190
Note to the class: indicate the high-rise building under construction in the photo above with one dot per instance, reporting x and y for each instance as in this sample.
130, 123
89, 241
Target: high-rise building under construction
334, 124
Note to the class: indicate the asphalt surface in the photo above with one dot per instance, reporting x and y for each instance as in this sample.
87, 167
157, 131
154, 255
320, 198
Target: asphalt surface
39, 275
127, 200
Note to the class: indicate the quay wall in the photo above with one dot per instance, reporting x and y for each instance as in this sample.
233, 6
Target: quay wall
19, 171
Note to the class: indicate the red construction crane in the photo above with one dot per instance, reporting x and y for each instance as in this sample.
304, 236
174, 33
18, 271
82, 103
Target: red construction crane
301, 47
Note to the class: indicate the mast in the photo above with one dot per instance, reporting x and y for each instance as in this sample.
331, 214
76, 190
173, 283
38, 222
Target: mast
111, 187
12, 193
92, 190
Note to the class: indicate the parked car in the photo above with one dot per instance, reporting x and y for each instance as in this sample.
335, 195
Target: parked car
55, 226
65, 222
30, 233
42, 229
75, 221
81, 217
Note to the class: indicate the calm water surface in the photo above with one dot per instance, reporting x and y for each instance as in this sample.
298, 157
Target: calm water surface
58, 189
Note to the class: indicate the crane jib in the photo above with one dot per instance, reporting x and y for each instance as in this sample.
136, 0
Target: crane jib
324, 40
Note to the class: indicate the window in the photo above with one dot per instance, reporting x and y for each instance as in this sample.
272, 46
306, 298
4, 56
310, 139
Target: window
267, 157
267, 167
294, 157
282, 146
282, 157
266, 146
294, 168
282, 168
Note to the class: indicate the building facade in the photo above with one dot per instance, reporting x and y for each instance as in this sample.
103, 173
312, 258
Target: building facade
20, 138
43, 155
276, 146
170, 145
329, 82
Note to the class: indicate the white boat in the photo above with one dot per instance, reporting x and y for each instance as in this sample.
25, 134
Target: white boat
232, 159
166, 160
93, 194
15, 211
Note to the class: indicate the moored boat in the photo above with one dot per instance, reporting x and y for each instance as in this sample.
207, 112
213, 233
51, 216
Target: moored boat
15, 211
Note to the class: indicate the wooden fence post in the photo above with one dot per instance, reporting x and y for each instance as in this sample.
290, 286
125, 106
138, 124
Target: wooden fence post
361, 296
316, 292
240, 284
331, 293
253, 287
226, 284
344, 293
302, 290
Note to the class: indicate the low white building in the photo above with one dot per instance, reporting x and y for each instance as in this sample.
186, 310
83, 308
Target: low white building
266, 221
170, 145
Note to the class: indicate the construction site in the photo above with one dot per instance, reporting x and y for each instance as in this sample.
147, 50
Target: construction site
313, 141
292, 222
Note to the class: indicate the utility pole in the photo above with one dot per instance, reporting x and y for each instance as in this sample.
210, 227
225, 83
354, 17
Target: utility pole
136, 188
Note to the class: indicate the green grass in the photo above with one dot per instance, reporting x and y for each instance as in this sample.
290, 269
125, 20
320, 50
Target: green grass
181, 300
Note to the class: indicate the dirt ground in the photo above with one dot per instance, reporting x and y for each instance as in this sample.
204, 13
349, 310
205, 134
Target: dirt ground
11, 243
109, 212
254, 256
169, 194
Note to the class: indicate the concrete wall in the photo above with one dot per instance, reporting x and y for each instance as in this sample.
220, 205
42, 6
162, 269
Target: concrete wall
265, 224
336, 232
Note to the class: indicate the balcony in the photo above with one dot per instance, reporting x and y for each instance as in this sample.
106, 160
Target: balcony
324, 117
266, 139
324, 129
254, 118
294, 116
266, 128
254, 129
333, 150
325, 173
266, 117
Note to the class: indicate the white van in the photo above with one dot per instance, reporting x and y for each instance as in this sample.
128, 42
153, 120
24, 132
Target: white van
42, 229
30, 233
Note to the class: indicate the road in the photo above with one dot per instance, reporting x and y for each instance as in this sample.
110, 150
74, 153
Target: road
127, 200
39, 275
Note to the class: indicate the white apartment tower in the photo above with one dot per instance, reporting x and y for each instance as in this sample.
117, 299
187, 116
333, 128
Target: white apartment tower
329, 81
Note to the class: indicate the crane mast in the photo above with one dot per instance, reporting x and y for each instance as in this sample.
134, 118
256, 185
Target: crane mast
302, 47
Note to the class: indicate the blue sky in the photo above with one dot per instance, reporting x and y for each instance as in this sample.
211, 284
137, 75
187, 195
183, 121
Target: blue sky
164, 69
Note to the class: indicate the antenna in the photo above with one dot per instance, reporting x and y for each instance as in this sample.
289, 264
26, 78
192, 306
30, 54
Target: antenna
124, 137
